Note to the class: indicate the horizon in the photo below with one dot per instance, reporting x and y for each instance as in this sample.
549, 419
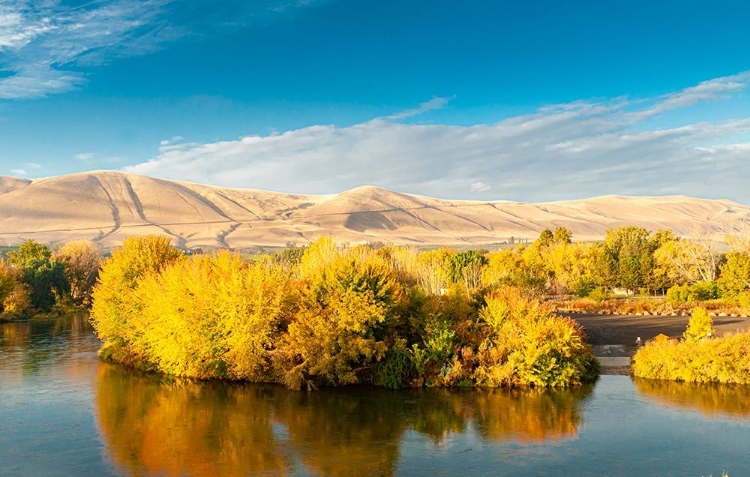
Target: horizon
333, 194
531, 103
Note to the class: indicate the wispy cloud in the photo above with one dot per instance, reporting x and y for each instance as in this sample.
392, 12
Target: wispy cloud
559, 152
45, 45
41, 43
19, 172
434, 103
85, 156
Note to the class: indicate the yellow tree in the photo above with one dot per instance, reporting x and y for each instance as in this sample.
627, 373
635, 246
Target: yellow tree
685, 261
346, 295
81, 259
14, 297
115, 310
431, 271
212, 316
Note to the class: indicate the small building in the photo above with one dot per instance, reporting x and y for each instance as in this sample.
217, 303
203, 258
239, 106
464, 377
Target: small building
661, 338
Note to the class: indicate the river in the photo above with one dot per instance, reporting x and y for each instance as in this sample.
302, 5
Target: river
63, 412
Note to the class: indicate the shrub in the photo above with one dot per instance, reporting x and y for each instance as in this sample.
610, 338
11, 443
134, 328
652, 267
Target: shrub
345, 296
701, 291
700, 326
582, 287
340, 316
397, 369
527, 345
743, 299
599, 294
81, 260
723, 360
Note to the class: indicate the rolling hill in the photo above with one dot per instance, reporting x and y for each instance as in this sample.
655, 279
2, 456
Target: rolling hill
108, 206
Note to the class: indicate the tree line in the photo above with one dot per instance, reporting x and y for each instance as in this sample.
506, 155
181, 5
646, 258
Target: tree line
330, 316
396, 316
35, 280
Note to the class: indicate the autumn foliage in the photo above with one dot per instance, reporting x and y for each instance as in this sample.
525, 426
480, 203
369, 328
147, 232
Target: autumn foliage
336, 316
14, 295
699, 357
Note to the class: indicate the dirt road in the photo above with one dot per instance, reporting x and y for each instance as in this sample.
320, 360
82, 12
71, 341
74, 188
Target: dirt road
624, 329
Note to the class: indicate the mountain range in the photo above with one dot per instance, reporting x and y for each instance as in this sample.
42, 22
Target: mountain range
108, 206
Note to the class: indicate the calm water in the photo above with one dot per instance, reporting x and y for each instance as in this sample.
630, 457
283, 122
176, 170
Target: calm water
62, 412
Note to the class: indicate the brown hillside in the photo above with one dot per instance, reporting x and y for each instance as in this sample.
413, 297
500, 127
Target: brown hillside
108, 206
8, 184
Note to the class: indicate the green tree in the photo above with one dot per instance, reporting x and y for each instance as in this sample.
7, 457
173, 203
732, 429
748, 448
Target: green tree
466, 267
42, 273
630, 273
626, 251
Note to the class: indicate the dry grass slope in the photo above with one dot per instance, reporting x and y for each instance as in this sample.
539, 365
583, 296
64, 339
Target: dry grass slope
109, 206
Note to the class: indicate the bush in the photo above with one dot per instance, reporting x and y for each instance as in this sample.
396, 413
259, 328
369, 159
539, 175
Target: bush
582, 288
600, 294
721, 360
345, 296
743, 300
397, 369
212, 317
701, 291
81, 260
527, 345
700, 326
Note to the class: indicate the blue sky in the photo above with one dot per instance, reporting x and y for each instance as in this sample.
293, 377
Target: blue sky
481, 100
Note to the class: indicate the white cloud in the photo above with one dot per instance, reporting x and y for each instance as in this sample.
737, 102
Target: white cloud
717, 88
85, 156
167, 142
562, 151
33, 165
480, 187
18, 172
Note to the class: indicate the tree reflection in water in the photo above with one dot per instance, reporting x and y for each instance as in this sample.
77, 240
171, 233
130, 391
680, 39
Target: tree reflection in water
29, 347
709, 399
159, 425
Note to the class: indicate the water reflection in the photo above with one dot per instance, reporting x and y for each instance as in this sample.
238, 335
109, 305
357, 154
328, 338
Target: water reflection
708, 399
63, 412
153, 424
31, 347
